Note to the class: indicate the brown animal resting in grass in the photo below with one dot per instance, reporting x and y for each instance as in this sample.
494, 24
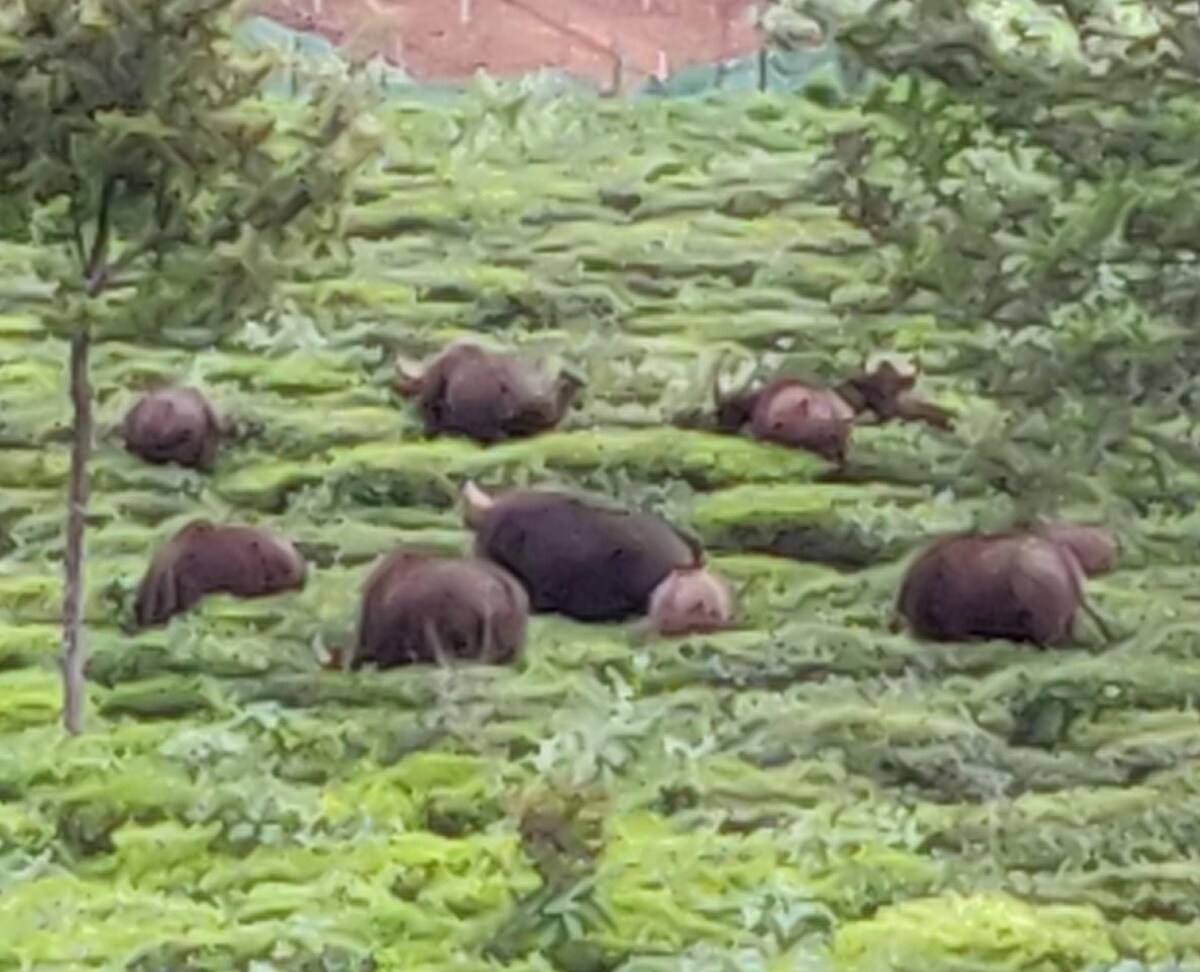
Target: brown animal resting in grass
791, 412
173, 425
204, 558
418, 607
1024, 585
486, 396
585, 559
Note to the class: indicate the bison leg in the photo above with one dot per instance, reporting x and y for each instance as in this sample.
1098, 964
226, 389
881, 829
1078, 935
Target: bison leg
435, 647
148, 609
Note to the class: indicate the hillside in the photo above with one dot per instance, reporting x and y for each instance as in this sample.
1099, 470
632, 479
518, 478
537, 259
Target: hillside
807, 792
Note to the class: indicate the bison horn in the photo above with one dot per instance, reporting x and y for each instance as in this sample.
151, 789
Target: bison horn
407, 380
572, 377
716, 377
477, 504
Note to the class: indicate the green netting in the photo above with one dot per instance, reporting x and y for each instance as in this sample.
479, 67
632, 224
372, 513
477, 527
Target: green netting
768, 71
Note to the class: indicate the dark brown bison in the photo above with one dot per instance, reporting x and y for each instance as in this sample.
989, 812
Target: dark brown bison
486, 396
173, 425
204, 558
794, 413
585, 559
418, 607
1023, 585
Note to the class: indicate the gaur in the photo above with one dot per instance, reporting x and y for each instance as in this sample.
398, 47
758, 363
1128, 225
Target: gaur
1022, 585
173, 425
205, 558
418, 607
583, 558
485, 395
792, 412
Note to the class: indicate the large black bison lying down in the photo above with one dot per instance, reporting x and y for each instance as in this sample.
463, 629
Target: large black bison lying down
173, 425
1023, 585
204, 558
582, 558
486, 396
419, 608
792, 412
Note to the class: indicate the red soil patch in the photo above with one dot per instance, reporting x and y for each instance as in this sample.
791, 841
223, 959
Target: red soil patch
511, 37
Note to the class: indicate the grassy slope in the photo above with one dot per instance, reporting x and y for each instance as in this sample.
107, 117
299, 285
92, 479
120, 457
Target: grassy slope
809, 791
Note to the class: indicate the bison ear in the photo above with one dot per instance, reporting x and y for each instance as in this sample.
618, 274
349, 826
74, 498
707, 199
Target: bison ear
477, 504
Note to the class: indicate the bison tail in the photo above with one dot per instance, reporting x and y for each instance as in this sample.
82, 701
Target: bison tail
1089, 609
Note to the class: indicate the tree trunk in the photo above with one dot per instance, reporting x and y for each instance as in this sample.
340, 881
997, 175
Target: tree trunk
73, 656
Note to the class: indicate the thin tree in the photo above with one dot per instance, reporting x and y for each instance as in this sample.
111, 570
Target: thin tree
166, 193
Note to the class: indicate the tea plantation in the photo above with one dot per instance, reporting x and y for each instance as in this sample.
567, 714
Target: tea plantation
809, 791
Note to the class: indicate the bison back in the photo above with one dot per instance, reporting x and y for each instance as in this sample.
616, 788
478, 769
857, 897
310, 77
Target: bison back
580, 559
257, 562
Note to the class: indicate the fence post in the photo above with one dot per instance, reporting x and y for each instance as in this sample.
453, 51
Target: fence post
464, 11
618, 76
763, 54
293, 59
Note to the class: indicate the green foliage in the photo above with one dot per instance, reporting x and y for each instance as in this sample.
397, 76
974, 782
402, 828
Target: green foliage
140, 156
1028, 170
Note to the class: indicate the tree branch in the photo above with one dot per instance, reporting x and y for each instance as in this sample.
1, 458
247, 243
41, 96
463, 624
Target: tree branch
77, 233
96, 270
